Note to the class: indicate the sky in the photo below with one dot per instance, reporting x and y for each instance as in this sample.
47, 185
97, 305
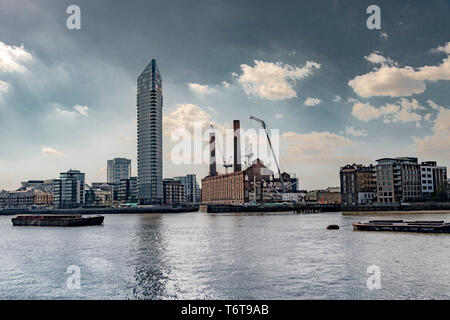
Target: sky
335, 91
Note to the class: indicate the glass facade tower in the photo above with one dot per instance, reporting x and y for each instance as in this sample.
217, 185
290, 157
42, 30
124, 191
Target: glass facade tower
149, 135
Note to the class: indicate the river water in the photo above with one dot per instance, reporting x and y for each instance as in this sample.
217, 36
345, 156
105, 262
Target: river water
223, 256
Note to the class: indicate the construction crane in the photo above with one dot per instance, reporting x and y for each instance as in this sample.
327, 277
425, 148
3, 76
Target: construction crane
263, 124
226, 165
249, 156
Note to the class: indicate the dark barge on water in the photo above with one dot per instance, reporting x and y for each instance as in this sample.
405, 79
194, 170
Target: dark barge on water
57, 220
403, 226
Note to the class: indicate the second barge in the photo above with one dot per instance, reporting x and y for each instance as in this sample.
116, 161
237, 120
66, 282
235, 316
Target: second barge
403, 226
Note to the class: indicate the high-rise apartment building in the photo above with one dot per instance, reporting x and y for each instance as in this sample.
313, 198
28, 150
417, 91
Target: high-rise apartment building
117, 169
149, 135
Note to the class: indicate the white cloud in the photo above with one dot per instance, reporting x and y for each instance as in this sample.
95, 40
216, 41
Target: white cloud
391, 80
278, 115
225, 84
337, 99
314, 142
126, 138
387, 81
366, 112
433, 104
184, 117
401, 111
356, 133
436, 146
315, 156
384, 35
83, 110
273, 81
445, 48
412, 104
406, 114
376, 58
312, 101
11, 58
50, 150
4, 88
77, 110
201, 89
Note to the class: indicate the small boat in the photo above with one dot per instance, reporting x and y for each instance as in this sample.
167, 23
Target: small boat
403, 226
57, 220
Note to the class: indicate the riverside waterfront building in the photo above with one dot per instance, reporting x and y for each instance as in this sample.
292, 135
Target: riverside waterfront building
398, 180
25, 199
236, 187
149, 135
69, 189
433, 178
191, 187
358, 184
128, 190
173, 192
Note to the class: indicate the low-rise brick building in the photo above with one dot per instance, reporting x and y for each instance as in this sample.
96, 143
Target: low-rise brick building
25, 198
173, 192
236, 187
358, 184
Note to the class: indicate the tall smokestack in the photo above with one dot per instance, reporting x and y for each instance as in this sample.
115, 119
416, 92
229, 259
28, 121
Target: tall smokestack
212, 148
237, 145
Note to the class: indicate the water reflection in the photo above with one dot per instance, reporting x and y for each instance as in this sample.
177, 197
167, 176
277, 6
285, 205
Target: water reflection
151, 270
206, 256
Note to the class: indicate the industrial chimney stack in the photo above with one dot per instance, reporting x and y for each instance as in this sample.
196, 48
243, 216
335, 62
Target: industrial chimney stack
212, 148
237, 145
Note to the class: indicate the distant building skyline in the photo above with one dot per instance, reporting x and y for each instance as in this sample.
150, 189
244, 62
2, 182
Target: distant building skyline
393, 181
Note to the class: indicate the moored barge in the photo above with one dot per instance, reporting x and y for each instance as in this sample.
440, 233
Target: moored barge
57, 220
403, 226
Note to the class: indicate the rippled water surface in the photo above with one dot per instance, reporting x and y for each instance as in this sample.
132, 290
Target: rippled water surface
223, 256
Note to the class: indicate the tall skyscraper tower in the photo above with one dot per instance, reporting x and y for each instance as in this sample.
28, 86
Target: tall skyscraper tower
149, 134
